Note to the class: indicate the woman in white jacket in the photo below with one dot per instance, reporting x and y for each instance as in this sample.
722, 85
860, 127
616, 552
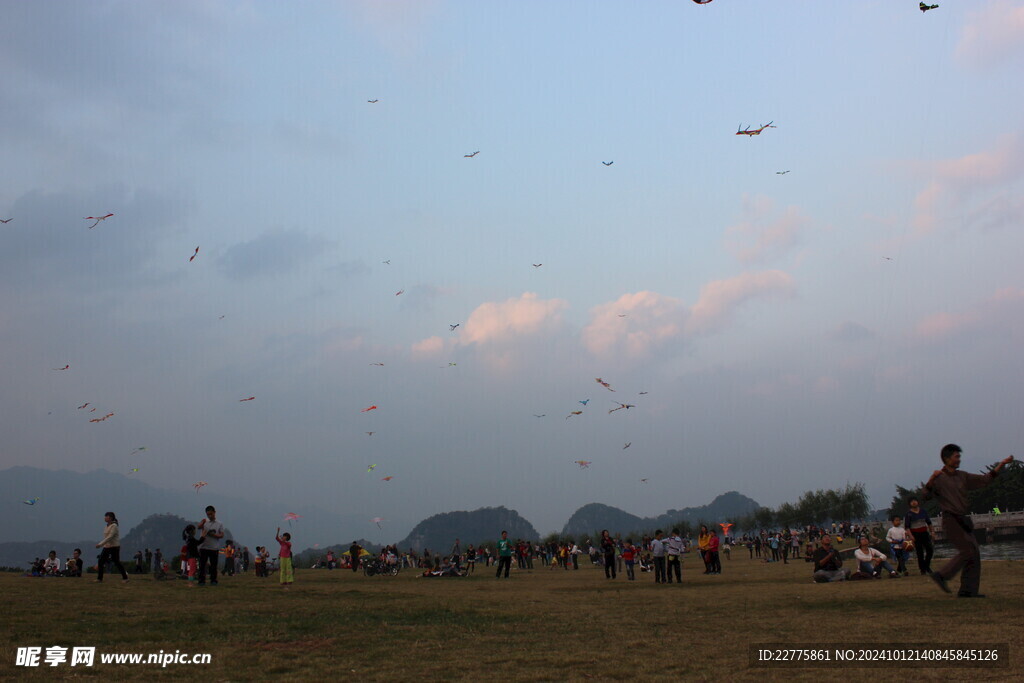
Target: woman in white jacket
111, 548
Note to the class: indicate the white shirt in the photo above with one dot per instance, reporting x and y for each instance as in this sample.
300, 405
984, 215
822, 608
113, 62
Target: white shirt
657, 548
209, 542
674, 545
868, 556
896, 534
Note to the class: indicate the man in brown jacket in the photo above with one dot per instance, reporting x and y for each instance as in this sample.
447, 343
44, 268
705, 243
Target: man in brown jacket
950, 486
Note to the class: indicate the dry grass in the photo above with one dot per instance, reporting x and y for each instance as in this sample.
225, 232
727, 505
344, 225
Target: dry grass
538, 625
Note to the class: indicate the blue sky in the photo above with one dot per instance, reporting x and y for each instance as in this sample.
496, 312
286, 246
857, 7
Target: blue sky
838, 323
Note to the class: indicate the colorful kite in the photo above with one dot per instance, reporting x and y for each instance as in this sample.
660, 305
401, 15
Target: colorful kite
101, 419
377, 521
366, 410
725, 527
289, 516
133, 470
97, 219
603, 383
388, 478
198, 485
84, 405
63, 368
371, 468
627, 406
30, 501
575, 412
193, 256
925, 8
243, 400
584, 402
756, 131
583, 463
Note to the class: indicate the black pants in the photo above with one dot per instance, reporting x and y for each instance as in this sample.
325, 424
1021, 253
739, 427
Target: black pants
110, 555
207, 557
674, 566
659, 569
609, 566
925, 550
506, 562
714, 563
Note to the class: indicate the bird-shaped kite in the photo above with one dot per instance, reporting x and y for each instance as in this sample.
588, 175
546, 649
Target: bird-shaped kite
575, 412
101, 419
537, 265
133, 470
377, 521
388, 478
454, 326
643, 393
366, 410
470, 156
387, 263
6, 221
193, 256
31, 501
198, 485
699, 2
627, 406
536, 415
370, 433
138, 450
373, 101
378, 364
583, 463
607, 163
781, 172
925, 8
584, 402
756, 131
251, 398
628, 444
603, 383
97, 219
643, 481
371, 468
84, 405
400, 292
63, 368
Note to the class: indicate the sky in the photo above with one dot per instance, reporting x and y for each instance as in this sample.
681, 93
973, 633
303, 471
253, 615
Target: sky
776, 332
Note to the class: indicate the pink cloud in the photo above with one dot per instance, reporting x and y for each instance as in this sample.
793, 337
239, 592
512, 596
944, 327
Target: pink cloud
639, 324
762, 233
1003, 306
955, 181
501, 321
993, 35
431, 346
719, 300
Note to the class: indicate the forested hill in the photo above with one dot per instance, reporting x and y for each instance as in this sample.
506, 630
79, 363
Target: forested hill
477, 526
597, 516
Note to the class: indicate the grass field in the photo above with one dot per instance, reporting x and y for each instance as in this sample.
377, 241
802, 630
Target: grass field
537, 625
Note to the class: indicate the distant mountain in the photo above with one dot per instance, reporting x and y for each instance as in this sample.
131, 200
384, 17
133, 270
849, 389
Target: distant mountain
478, 526
71, 505
593, 517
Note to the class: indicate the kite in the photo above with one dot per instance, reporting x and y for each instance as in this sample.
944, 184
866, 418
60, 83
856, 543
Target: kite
536, 415
83, 406
699, 2
388, 478
628, 444
198, 485
378, 364
251, 398
377, 521
454, 326
643, 481
725, 527
584, 402
101, 419
575, 412
289, 516
757, 131
5, 222
138, 450
603, 383
643, 393
400, 292
537, 265
133, 470
371, 468
887, 258
366, 410
97, 219
781, 172
370, 433
470, 156
387, 263
63, 368
583, 463
192, 257
627, 406
373, 101
450, 365
607, 163
925, 8
622, 315
30, 501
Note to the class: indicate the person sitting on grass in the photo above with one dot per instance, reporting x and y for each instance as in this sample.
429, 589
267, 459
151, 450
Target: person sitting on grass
828, 565
872, 562
51, 566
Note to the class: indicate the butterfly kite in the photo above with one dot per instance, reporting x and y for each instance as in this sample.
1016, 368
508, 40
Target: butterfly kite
603, 383
198, 485
30, 501
97, 219
583, 463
